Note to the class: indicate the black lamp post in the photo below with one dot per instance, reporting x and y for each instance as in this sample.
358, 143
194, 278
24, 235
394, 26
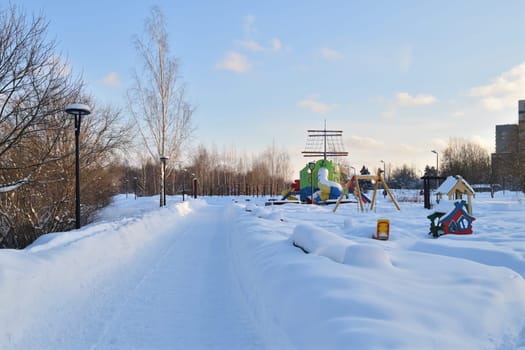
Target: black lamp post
437, 161
78, 110
126, 185
384, 168
437, 165
163, 159
194, 186
311, 166
183, 183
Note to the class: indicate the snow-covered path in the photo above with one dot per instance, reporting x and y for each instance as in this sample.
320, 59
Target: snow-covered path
185, 301
147, 280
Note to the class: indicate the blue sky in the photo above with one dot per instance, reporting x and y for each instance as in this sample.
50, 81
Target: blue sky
398, 77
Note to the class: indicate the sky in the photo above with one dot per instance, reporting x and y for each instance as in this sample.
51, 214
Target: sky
399, 78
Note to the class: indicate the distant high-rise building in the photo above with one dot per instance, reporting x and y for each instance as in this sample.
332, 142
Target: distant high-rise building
521, 131
508, 162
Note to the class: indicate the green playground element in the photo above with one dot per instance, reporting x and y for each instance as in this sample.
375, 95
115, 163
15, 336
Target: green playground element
309, 180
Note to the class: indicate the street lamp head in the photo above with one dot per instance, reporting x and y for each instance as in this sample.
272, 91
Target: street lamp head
311, 165
164, 158
78, 109
434, 151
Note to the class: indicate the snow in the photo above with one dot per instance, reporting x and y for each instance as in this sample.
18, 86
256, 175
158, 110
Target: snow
14, 186
223, 273
450, 182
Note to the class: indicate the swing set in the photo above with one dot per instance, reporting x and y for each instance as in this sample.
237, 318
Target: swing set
376, 180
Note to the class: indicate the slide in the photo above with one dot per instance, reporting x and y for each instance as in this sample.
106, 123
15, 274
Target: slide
288, 195
327, 189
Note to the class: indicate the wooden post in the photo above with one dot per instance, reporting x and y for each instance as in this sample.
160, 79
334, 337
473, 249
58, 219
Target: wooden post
376, 185
391, 195
344, 193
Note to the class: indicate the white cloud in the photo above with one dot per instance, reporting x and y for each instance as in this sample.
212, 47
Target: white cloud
330, 54
251, 45
438, 143
316, 106
389, 113
368, 143
235, 62
504, 91
276, 44
255, 46
405, 99
487, 144
112, 80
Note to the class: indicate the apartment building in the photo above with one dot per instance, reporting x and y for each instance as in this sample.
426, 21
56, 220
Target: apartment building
508, 162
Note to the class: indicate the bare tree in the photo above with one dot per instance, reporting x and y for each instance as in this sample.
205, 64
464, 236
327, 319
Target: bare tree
404, 177
468, 159
157, 100
36, 136
33, 86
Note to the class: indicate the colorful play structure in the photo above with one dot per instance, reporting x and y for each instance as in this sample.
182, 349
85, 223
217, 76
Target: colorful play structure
321, 181
452, 215
456, 221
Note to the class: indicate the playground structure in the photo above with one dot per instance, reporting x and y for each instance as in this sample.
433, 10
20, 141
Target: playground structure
456, 221
452, 215
353, 187
319, 182
455, 187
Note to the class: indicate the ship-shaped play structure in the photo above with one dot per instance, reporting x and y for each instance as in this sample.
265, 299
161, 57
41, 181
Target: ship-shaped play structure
320, 181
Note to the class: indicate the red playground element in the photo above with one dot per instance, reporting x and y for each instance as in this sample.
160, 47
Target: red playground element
457, 221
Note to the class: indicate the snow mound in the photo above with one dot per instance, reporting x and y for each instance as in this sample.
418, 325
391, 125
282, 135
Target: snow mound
250, 207
348, 224
276, 216
261, 212
268, 214
367, 255
354, 228
318, 241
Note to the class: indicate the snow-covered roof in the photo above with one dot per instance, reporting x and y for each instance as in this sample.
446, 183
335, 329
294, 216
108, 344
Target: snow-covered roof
451, 182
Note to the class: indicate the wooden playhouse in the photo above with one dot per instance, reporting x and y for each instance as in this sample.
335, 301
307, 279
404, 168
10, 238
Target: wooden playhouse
455, 187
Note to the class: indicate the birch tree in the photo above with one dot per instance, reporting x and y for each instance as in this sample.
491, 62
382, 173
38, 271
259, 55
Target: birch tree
157, 99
